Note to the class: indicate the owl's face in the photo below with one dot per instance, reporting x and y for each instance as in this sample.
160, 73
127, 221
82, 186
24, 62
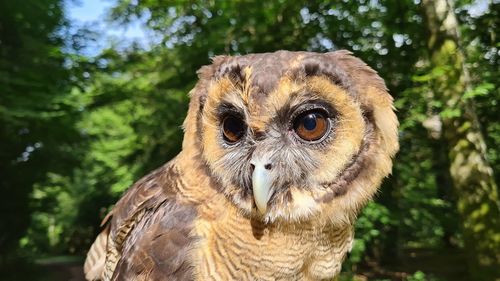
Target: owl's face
292, 136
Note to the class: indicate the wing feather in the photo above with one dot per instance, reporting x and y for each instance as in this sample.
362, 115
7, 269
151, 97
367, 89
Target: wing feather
148, 237
96, 257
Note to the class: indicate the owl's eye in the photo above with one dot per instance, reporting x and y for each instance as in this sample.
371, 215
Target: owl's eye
311, 125
233, 128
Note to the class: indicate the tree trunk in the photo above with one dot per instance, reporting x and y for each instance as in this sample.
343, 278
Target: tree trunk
475, 187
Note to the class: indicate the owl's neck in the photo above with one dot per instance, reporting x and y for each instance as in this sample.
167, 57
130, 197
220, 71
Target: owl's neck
197, 184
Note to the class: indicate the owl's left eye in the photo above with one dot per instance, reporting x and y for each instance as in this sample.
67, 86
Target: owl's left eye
233, 128
311, 125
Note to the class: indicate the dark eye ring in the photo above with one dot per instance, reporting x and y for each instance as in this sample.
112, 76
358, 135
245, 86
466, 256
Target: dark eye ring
311, 125
233, 128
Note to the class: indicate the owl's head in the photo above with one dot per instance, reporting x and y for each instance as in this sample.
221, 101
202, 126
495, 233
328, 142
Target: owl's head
292, 136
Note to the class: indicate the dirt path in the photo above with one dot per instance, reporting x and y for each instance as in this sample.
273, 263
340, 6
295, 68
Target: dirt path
62, 268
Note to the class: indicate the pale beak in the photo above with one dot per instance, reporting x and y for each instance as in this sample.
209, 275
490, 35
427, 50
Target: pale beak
261, 184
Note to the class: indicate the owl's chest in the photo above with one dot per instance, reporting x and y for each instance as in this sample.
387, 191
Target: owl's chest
234, 250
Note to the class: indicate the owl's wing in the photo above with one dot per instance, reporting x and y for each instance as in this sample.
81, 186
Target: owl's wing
148, 236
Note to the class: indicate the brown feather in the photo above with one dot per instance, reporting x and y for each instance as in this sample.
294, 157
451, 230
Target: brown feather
158, 247
96, 257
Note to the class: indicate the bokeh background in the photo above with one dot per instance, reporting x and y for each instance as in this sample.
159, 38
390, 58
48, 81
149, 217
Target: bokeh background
92, 96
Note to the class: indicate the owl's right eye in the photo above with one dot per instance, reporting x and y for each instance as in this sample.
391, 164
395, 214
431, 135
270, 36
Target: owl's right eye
233, 128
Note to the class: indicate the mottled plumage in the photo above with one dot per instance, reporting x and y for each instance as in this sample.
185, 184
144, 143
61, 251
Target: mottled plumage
280, 152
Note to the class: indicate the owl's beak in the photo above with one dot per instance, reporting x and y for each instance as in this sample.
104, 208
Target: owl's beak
261, 183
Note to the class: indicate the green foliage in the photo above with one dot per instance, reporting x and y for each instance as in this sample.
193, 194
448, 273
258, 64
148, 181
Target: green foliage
417, 276
33, 101
371, 227
129, 125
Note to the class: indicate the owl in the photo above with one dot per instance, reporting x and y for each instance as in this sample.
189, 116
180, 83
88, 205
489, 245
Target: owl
280, 152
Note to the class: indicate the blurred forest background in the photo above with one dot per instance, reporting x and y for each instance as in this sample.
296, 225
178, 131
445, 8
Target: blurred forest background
79, 126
